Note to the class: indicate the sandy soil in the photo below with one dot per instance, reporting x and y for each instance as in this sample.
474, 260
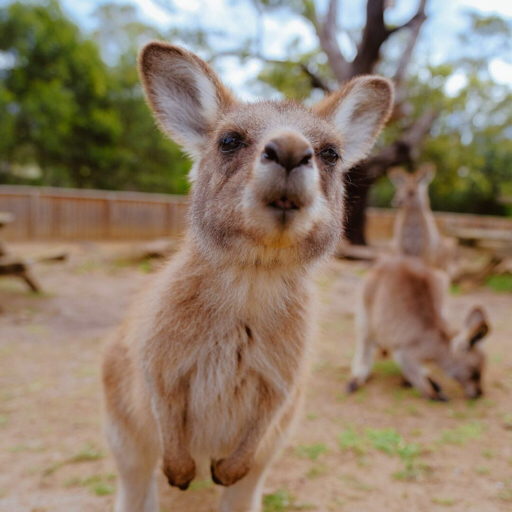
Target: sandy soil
382, 449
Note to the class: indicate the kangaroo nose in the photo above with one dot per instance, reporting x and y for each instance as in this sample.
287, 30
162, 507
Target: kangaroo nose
289, 151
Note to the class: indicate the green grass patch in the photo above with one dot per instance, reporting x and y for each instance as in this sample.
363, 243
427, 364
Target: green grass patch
350, 440
455, 289
199, 485
412, 410
387, 368
3, 420
101, 485
444, 502
145, 266
506, 492
355, 483
500, 283
462, 434
88, 453
458, 415
317, 471
360, 395
482, 470
282, 501
50, 470
311, 452
388, 441
385, 440
488, 454
497, 358
19, 448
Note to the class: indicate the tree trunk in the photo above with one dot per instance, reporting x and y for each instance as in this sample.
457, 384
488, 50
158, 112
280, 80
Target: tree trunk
357, 188
360, 179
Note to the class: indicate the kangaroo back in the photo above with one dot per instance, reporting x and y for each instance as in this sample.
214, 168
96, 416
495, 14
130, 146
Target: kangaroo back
403, 299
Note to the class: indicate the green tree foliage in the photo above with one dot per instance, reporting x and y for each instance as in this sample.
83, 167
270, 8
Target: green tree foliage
62, 108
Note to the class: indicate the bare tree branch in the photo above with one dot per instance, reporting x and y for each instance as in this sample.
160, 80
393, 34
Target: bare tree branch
374, 35
405, 149
326, 32
317, 82
415, 24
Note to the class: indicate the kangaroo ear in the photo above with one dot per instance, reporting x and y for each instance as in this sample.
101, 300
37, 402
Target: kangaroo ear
184, 92
476, 323
476, 328
426, 173
359, 111
398, 176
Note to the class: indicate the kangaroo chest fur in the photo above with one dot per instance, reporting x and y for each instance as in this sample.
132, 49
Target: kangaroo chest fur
232, 349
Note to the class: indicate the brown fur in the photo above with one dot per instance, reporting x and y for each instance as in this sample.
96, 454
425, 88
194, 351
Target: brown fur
402, 310
415, 230
209, 365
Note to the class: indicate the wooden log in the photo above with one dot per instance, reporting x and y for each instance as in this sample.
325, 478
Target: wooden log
359, 252
16, 267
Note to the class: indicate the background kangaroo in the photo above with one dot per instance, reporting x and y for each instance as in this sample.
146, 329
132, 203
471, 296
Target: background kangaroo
415, 229
402, 310
209, 364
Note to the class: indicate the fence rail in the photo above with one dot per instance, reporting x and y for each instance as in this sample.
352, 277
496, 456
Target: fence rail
70, 214
74, 214
381, 220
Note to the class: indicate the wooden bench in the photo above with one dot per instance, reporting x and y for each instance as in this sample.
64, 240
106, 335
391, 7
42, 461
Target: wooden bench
11, 265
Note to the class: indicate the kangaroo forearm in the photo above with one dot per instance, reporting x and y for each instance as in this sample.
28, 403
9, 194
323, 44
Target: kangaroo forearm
231, 469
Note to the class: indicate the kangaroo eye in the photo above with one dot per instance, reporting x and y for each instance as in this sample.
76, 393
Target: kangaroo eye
231, 142
329, 156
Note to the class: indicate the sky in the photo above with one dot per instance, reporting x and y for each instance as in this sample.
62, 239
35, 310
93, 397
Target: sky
439, 35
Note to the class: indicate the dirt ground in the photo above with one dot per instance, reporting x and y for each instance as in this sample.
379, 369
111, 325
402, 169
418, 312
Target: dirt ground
382, 449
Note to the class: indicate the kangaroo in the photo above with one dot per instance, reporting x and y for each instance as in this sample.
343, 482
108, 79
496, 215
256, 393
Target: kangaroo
402, 311
209, 366
415, 230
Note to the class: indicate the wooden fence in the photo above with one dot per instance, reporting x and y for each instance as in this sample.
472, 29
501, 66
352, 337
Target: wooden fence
70, 214
380, 223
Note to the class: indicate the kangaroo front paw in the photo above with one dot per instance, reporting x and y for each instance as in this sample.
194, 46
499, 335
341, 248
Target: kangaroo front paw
352, 386
180, 474
227, 472
437, 394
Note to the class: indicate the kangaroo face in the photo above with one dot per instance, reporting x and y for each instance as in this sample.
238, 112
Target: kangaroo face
275, 184
411, 188
267, 180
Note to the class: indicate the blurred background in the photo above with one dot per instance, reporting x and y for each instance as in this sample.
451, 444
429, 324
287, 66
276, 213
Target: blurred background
89, 183
73, 113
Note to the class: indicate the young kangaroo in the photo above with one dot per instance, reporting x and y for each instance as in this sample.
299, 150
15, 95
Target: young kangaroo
402, 310
209, 365
415, 230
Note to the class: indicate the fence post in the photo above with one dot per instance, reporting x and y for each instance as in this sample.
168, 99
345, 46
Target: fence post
109, 216
33, 214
